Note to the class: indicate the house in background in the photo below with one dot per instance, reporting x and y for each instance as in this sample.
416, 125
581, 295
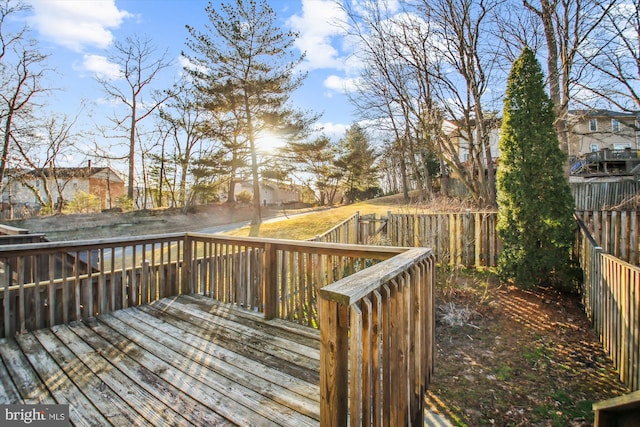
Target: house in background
63, 183
271, 192
459, 138
594, 130
604, 144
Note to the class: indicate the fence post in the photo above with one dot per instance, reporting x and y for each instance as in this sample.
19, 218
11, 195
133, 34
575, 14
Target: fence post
356, 231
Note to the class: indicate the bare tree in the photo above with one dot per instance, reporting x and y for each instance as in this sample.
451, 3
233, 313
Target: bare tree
22, 69
567, 25
140, 64
425, 64
185, 121
612, 59
42, 155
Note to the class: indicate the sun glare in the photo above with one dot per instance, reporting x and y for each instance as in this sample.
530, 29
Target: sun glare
268, 143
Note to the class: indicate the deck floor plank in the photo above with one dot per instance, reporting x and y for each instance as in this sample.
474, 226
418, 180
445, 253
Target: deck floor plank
32, 390
180, 361
8, 391
155, 363
82, 412
147, 404
110, 405
248, 325
236, 339
272, 384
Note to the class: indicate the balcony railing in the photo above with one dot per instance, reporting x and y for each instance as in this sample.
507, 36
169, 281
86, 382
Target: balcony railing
372, 304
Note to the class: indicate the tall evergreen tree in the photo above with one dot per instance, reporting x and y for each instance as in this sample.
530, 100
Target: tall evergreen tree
357, 163
245, 62
535, 205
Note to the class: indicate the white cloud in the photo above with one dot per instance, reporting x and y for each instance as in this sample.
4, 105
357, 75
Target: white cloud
319, 32
341, 84
77, 24
334, 131
101, 67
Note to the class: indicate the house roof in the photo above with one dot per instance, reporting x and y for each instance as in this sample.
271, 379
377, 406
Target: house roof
603, 113
82, 172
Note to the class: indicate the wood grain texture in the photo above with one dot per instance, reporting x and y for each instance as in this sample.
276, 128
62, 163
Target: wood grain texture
180, 361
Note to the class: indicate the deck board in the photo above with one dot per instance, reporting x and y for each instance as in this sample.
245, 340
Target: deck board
180, 361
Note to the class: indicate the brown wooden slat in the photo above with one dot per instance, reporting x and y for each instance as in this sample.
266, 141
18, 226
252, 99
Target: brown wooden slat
8, 391
177, 354
273, 344
168, 394
251, 346
32, 390
110, 405
82, 412
242, 369
148, 405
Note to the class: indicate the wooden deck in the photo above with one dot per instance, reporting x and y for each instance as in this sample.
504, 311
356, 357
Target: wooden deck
185, 360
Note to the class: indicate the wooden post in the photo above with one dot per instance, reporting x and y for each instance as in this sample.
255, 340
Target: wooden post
187, 265
270, 283
334, 361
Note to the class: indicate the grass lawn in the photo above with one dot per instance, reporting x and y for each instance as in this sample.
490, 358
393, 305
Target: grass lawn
311, 224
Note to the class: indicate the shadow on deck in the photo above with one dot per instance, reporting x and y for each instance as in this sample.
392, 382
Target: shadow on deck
178, 361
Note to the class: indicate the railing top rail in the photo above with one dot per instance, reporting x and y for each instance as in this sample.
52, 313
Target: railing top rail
309, 246
353, 288
10, 230
378, 252
586, 231
337, 226
29, 248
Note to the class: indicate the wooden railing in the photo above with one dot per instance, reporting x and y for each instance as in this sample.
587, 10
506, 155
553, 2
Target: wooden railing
377, 342
376, 314
45, 284
280, 278
617, 232
611, 297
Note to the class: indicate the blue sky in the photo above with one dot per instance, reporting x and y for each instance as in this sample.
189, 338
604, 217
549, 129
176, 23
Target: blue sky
78, 34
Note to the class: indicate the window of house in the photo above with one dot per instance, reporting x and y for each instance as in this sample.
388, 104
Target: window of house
465, 157
615, 125
593, 125
594, 148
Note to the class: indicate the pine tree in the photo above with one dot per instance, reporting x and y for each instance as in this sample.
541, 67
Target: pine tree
357, 163
246, 67
535, 216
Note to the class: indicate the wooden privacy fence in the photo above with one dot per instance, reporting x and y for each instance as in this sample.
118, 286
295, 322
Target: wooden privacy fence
608, 195
616, 232
357, 229
462, 238
611, 297
377, 339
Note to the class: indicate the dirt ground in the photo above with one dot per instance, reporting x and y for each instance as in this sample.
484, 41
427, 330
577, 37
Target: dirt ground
508, 357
